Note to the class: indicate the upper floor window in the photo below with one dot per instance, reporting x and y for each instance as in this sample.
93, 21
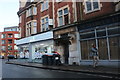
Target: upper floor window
31, 11
19, 29
16, 35
10, 41
34, 27
3, 48
10, 35
9, 47
10, 29
28, 29
63, 17
3, 42
20, 19
44, 5
3, 35
92, 5
44, 24
32, 0
34, 10
59, 0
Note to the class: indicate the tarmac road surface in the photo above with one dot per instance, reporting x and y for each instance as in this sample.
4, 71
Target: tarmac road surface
16, 71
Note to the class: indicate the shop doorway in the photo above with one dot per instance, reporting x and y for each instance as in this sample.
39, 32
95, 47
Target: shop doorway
64, 42
66, 52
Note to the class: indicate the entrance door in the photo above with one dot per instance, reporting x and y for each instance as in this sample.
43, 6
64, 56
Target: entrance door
66, 52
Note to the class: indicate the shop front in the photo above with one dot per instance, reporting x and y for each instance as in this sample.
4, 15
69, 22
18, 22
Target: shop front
34, 47
66, 44
106, 37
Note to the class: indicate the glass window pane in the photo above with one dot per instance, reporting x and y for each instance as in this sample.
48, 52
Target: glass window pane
47, 27
42, 6
60, 13
102, 49
34, 10
89, 5
35, 24
66, 11
42, 21
87, 35
46, 19
113, 31
66, 19
114, 48
85, 49
47, 4
60, 21
95, 4
101, 33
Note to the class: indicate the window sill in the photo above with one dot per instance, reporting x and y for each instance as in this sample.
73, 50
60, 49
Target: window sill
44, 10
88, 12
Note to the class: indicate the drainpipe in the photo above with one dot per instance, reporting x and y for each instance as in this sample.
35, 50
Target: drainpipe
81, 11
53, 13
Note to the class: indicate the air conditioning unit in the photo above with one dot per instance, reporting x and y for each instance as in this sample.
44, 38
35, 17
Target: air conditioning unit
50, 22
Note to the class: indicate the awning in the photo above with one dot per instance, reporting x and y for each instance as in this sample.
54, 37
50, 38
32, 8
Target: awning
35, 38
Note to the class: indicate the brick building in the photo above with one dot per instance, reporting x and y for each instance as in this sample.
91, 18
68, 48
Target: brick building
70, 28
8, 38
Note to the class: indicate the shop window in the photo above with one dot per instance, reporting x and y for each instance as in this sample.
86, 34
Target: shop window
102, 49
91, 5
85, 49
114, 44
101, 33
113, 31
87, 35
63, 16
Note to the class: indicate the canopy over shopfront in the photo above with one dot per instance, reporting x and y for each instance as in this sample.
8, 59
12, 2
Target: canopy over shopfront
35, 38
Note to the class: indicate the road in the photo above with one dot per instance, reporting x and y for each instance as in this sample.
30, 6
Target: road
16, 71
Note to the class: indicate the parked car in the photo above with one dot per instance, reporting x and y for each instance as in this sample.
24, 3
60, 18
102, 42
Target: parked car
11, 57
1, 57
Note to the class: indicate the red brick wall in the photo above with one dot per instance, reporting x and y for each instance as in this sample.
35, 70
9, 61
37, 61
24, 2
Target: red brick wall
40, 14
60, 5
22, 25
107, 7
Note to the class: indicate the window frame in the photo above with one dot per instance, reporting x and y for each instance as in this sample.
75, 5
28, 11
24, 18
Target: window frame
44, 22
63, 15
44, 5
92, 6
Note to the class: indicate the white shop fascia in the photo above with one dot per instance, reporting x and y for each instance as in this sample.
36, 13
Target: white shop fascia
35, 38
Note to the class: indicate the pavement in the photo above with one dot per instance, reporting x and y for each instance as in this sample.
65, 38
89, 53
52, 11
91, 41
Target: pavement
101, 70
